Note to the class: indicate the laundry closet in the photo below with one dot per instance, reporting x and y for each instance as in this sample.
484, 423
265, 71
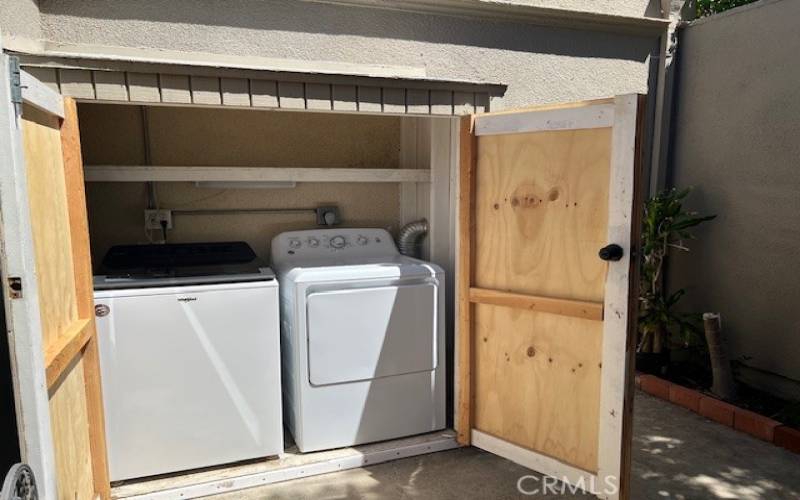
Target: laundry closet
503, 324
189, 304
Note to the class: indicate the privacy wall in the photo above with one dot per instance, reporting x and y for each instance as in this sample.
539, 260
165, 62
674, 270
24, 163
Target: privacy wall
736, 140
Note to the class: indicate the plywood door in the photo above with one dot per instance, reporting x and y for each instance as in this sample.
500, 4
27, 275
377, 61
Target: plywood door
59, 279
544, 322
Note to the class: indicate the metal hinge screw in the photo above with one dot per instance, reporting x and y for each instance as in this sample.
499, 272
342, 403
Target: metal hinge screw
15, 287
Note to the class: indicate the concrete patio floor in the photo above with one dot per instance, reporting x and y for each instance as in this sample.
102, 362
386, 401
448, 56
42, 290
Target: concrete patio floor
677, 455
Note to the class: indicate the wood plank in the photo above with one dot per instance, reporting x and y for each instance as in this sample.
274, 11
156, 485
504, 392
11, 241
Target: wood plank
318, 96
70, 424
291, 465
76, 83
441, 102
82, 270
541, 206
537, 381
49, 222
96, 417
345, 98
76, 210
40, 96
144, 173
48, 76
464, 275
264, 93
110, 86
235, 91
599, 116
554, 106
621, 300
370, 99
62, 351
533, 461
292, 95
205, 90
633, 299
418, 101
143, 87
394, 100
563, 307
175, 88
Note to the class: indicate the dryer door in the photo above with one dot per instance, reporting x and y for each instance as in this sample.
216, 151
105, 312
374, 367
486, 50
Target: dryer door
366, 333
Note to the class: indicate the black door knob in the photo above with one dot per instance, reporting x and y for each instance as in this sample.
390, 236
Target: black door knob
611, 252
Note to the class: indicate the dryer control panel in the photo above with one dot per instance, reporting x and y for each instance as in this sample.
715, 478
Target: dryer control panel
313, 244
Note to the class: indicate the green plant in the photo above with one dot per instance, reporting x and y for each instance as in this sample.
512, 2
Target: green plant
666, 226
708, 7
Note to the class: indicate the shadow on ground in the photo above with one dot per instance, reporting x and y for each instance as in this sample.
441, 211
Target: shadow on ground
677, 455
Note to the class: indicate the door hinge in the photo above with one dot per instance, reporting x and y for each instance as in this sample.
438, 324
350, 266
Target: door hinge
16, 81
15, 287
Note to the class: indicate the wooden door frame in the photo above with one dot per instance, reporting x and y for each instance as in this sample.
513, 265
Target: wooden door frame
625, 115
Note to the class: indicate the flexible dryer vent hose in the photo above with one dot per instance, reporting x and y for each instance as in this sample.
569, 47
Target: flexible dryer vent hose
409, 236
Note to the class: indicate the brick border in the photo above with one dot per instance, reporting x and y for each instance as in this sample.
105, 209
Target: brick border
758, 426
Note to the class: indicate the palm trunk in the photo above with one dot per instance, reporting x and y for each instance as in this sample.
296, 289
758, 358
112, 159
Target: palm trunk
724, 384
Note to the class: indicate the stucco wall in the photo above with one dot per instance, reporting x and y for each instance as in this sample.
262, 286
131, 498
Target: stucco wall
20, 18
112, 134
538, 64
737, 131
617, 7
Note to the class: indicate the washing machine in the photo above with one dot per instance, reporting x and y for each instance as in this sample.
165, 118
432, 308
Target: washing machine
362, 338
189, 355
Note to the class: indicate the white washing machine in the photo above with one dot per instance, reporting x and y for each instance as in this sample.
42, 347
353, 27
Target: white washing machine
189, 355
362, 338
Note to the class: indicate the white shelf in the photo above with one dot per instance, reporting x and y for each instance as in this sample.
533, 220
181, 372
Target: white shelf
143, 173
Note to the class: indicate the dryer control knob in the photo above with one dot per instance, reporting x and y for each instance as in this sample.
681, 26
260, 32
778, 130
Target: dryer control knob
362, 240
294, 243
313, 242
338, 242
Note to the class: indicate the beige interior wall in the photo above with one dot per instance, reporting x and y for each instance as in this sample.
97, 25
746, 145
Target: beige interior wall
113, 134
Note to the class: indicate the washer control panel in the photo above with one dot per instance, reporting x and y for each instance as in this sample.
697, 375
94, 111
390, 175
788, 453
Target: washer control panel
321, 243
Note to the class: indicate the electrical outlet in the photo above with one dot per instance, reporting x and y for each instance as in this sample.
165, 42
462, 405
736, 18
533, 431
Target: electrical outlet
153, 219
328, 216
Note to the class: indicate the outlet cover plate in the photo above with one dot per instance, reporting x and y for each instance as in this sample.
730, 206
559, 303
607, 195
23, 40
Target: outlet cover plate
153, 218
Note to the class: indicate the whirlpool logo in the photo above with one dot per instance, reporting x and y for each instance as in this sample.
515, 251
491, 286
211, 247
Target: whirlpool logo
187, 299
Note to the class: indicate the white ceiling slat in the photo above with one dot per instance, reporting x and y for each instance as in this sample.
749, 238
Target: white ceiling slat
175, 89
142, 87
110, 86
264, 93
206, 90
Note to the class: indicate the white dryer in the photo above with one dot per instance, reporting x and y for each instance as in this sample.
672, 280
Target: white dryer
362, 338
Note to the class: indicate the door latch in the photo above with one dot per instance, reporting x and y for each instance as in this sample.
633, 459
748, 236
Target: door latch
611, 252
15, 287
